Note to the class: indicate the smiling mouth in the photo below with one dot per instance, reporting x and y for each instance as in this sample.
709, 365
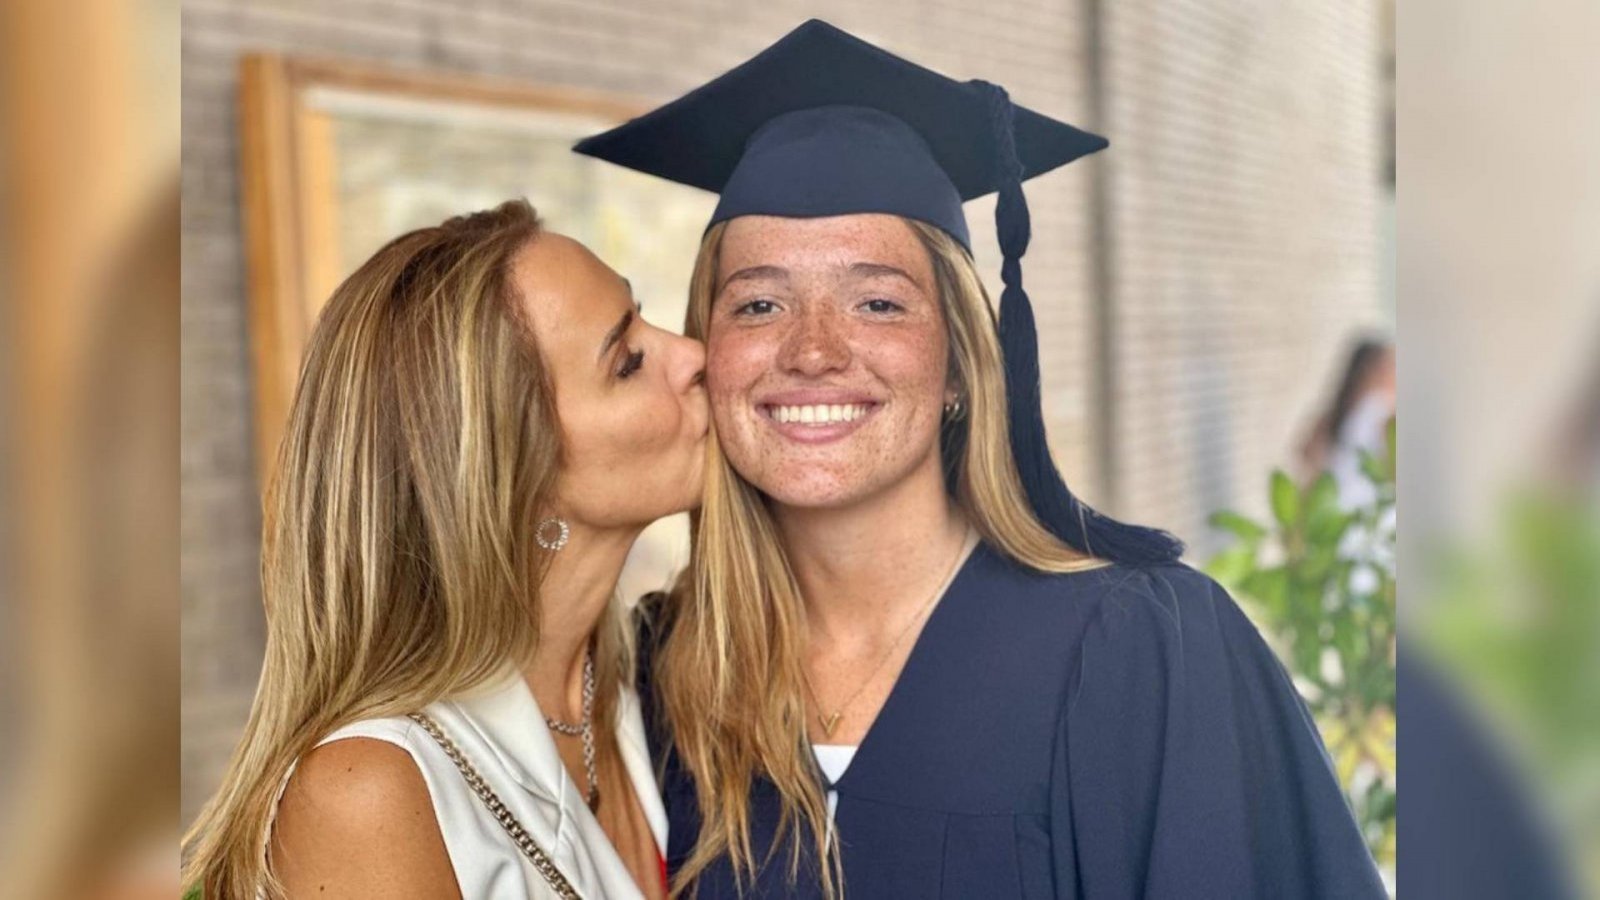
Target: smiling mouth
817, 414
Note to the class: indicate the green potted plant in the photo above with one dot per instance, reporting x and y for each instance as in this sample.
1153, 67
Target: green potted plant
1319, 580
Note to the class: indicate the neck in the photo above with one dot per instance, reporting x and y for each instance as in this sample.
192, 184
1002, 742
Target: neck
859, 568
577, 589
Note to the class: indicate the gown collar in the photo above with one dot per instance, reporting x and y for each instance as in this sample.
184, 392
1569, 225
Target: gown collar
928, 643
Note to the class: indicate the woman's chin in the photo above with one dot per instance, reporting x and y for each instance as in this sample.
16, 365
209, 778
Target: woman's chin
802, 492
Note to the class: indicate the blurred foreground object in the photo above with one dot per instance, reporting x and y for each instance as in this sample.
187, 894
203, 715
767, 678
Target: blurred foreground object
1499, 271
1516, 621
1472, 831
89, 370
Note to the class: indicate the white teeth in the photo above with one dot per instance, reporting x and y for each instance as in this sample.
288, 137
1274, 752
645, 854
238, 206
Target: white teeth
819, 414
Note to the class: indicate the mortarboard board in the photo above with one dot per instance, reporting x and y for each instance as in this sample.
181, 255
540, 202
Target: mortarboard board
822, 124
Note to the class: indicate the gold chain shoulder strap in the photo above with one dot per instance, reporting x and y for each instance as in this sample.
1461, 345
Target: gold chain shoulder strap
513, 828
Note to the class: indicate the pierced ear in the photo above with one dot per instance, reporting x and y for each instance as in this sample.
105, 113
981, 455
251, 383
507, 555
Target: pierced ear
954, 407
954, 392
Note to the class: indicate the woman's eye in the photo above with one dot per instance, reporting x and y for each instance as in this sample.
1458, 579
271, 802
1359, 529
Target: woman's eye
880, 305
631, 364
756, 308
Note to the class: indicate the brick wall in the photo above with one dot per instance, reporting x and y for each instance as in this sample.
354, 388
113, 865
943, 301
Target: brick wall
1239, 200
1245, 213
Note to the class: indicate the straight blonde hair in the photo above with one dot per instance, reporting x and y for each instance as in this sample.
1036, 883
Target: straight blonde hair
728, 673
396, 563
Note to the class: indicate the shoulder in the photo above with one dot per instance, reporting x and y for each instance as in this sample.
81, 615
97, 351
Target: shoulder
1155, 601
358, 774
1062, 628
1154, 623
357, 818
1164, 600
1172, 631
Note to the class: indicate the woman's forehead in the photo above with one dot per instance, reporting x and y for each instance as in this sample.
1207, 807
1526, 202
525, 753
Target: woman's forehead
832, 242
570, 294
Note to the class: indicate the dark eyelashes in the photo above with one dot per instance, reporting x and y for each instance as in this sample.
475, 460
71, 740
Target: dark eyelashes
744, 309
631, 363
879, 304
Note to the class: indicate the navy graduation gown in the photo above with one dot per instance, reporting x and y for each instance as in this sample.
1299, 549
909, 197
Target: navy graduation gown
1114, 733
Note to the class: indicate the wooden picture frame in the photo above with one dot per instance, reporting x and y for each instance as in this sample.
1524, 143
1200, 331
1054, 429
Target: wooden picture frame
289, 200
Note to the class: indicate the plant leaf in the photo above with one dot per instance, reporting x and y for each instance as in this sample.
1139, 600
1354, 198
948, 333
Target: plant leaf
1238, 525
1373, 467
1232, 566
1285, 499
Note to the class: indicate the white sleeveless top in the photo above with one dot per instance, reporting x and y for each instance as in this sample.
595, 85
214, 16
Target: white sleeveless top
501, 731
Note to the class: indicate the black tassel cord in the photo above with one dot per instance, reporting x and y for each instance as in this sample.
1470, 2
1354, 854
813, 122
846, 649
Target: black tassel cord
1057, 507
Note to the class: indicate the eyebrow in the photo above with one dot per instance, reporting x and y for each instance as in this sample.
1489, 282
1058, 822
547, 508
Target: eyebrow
860, 269
870, 270
621, 328
753, 273
616, 333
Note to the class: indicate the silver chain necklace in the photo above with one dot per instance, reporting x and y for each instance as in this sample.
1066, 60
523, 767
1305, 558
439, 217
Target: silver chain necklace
585, 730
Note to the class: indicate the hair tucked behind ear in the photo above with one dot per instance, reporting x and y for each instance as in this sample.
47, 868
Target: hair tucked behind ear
728, 674
396, 562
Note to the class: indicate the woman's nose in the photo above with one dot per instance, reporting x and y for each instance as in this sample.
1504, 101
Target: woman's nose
814, 345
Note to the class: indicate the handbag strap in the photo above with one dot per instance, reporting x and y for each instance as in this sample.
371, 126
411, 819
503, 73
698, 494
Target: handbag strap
519, 835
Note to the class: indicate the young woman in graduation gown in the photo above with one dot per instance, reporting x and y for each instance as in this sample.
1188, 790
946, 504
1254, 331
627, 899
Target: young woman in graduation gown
907, 662
482, 427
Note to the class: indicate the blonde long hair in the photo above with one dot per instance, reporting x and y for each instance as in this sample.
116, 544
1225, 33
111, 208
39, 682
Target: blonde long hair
396, 567
728, 671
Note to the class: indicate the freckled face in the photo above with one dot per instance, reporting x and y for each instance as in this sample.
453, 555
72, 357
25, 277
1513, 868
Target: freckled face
629, 395
827, 357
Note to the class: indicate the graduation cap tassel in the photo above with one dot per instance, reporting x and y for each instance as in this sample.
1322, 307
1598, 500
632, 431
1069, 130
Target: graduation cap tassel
1057, 508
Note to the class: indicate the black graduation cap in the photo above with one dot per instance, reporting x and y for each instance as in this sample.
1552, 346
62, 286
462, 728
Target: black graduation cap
823, 123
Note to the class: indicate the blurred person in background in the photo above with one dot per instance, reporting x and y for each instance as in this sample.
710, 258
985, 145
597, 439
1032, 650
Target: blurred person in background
1356, 420
1577, 451
907, 661
483, 425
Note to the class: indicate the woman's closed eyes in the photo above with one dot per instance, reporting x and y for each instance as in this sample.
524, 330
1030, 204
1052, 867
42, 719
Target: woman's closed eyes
630, 363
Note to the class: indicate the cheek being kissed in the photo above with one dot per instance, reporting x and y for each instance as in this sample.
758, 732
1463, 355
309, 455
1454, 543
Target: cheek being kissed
827, 357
